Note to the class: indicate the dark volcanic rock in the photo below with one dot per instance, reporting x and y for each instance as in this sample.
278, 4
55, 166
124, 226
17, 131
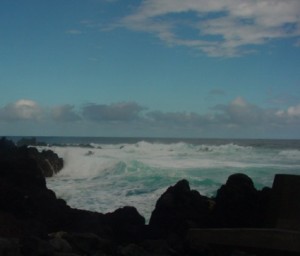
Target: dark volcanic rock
32, 245
24, 195
48, 161
178, 209
33, 209
8, 150
84, 221
238, 203
127, 224
82, 244
9, 247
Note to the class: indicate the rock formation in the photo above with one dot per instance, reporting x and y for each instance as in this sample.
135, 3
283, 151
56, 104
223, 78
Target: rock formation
239, 204
33, 221
178, 209
48, 161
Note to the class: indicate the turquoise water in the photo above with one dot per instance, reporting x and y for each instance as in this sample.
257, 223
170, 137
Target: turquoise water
103, 174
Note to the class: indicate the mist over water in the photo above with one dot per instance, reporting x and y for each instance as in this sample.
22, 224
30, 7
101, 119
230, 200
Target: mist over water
105, 176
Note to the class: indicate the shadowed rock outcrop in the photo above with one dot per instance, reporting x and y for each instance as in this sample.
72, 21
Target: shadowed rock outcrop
47, 161
239, 203
29, 208
178, 209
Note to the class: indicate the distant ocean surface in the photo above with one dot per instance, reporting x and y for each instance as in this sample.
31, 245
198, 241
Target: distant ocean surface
103, 174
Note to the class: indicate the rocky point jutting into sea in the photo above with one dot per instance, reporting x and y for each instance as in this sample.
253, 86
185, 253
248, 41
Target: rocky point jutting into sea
33, 221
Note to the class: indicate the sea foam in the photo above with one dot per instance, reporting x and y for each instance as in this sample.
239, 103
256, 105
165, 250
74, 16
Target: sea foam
104, 177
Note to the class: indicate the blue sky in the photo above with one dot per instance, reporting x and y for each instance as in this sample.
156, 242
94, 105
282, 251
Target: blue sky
194, 68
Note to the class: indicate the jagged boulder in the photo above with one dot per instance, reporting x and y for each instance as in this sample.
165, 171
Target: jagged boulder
8, 149
25, 197
47, 161
238, 203
178, 209
27, 202
126, 223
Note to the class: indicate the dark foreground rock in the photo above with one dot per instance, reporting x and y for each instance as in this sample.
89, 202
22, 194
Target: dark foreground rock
238, 204
179, 209
29, 211
48, 162
33, 221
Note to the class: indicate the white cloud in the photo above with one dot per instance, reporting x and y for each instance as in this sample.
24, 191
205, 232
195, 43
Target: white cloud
222, 27
239, 102
294, 111
23, 109
290, 115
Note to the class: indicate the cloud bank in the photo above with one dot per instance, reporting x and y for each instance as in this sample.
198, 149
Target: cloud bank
125, 111
236, 118
21, 110
217, 28
64, 113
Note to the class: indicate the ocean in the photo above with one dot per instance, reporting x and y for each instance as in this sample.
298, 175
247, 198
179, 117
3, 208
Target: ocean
103, 174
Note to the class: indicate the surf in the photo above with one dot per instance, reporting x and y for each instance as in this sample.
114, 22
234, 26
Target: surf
105, 176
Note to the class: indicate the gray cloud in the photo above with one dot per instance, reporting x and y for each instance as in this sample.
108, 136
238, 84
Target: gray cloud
65, 113
243, 115
294, 111
239, 112
233, 119
21, 110
183, 119
222, 27
236, 115
289, 116
125, 111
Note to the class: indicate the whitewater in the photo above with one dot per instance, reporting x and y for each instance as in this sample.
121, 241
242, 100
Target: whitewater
103, 175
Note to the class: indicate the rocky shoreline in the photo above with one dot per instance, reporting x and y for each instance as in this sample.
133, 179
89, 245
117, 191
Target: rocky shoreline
33, 221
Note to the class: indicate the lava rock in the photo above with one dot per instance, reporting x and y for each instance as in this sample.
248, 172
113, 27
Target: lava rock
178, 209
9, 247
126, 223
237, 203
48, 161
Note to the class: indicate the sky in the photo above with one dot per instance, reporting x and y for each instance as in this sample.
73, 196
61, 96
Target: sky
150, 68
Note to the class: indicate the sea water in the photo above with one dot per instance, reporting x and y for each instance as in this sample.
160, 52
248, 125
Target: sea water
103, 174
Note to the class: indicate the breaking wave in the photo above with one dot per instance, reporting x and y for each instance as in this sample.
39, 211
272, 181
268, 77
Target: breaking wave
104, 177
